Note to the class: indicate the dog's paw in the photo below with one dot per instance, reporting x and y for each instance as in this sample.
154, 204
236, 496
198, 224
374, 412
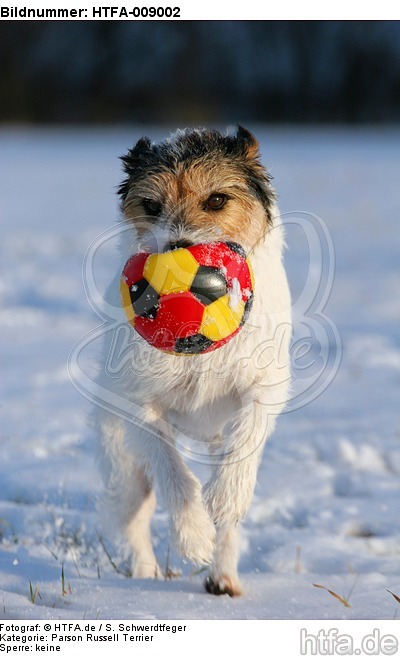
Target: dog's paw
222, 585
193, 534
146, 570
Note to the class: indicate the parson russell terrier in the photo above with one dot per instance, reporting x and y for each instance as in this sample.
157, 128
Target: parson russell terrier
198, 186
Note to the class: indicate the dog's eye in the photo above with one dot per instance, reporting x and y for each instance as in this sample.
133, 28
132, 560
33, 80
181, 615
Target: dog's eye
215, 201
152, 207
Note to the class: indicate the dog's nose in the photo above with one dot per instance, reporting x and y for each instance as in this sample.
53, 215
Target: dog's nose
179, 243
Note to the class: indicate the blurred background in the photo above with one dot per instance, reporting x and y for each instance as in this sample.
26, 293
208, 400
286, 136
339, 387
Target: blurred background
205, 71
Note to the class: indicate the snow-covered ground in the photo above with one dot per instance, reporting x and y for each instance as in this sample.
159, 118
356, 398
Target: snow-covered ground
326, 509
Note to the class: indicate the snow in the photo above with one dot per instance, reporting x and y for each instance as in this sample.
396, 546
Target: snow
235, 294
326, 508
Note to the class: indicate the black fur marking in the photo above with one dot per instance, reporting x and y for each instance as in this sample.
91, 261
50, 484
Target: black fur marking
137, 159
261, 185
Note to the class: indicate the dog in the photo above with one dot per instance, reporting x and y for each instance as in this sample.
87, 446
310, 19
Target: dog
197, 186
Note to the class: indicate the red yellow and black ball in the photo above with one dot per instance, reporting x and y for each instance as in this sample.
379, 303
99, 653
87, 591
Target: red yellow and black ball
188, 300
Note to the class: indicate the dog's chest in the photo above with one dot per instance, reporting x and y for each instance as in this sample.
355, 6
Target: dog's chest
194, 389
202, 406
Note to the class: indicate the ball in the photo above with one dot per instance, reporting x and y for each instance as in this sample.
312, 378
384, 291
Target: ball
191, 300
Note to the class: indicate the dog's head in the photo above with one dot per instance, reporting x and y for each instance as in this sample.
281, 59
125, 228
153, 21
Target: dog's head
197, 186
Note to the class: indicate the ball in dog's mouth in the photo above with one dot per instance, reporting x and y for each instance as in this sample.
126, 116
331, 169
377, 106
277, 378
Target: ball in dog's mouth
190, 299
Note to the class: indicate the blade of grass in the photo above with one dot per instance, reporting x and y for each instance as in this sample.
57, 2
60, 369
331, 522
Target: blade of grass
119, 571
394, 595
33, 593
334, 594
65, 590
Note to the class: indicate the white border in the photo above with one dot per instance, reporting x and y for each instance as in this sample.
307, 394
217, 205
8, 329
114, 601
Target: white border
277, 637
214, 10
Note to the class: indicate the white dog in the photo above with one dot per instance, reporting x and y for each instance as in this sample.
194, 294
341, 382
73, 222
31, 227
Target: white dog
198, 186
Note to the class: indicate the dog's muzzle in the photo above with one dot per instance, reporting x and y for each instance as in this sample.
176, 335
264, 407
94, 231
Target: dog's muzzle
179, 243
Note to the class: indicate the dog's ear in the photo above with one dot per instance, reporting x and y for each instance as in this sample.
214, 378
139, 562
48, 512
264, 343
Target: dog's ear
248, 143
135, 160
257, 176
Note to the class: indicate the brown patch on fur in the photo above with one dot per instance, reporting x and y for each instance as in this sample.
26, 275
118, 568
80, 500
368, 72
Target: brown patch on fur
183, 193
253, 149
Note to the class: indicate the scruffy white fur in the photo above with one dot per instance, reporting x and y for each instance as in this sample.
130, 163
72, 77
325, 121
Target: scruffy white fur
227, 399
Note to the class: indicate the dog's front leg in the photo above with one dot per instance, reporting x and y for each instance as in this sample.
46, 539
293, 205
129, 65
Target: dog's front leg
229, 491
223, 575
192, 529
